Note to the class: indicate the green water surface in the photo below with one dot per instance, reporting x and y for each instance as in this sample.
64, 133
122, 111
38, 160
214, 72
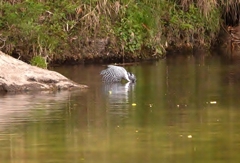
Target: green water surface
181, 110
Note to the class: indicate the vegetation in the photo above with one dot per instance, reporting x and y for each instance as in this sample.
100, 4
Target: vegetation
39, 61
90, 29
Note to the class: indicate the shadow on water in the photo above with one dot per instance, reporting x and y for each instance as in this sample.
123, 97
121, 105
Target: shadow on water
187, 110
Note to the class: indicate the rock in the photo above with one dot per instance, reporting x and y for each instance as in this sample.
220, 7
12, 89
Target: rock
18, 76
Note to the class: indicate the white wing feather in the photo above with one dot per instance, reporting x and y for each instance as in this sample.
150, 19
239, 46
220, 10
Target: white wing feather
113, 74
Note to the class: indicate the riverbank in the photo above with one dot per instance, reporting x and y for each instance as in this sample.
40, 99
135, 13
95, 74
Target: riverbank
104, 31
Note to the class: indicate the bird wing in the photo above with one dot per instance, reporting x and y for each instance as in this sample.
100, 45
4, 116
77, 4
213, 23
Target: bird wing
113, 73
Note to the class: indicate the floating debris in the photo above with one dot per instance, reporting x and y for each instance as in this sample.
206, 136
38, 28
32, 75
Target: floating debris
213, 102
134, 104
189, 136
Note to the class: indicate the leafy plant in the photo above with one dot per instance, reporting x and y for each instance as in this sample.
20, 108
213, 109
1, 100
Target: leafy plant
190, 27
69, 29
136, 27
39, 61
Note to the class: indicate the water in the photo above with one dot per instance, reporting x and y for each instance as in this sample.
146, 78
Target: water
182, 109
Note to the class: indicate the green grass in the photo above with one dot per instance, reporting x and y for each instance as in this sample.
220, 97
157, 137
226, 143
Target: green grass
64, 29
39, 61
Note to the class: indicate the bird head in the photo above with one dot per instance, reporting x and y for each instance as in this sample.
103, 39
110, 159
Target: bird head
132, 77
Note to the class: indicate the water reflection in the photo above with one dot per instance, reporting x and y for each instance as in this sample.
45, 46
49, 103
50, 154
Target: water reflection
21, 107
118, 93
118, 96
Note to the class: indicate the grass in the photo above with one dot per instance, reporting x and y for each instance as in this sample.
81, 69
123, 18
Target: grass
73, 30
39, 61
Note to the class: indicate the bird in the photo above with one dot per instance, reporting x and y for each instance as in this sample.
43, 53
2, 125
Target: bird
115, 74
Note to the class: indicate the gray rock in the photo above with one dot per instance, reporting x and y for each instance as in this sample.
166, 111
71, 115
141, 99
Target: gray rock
18, 76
